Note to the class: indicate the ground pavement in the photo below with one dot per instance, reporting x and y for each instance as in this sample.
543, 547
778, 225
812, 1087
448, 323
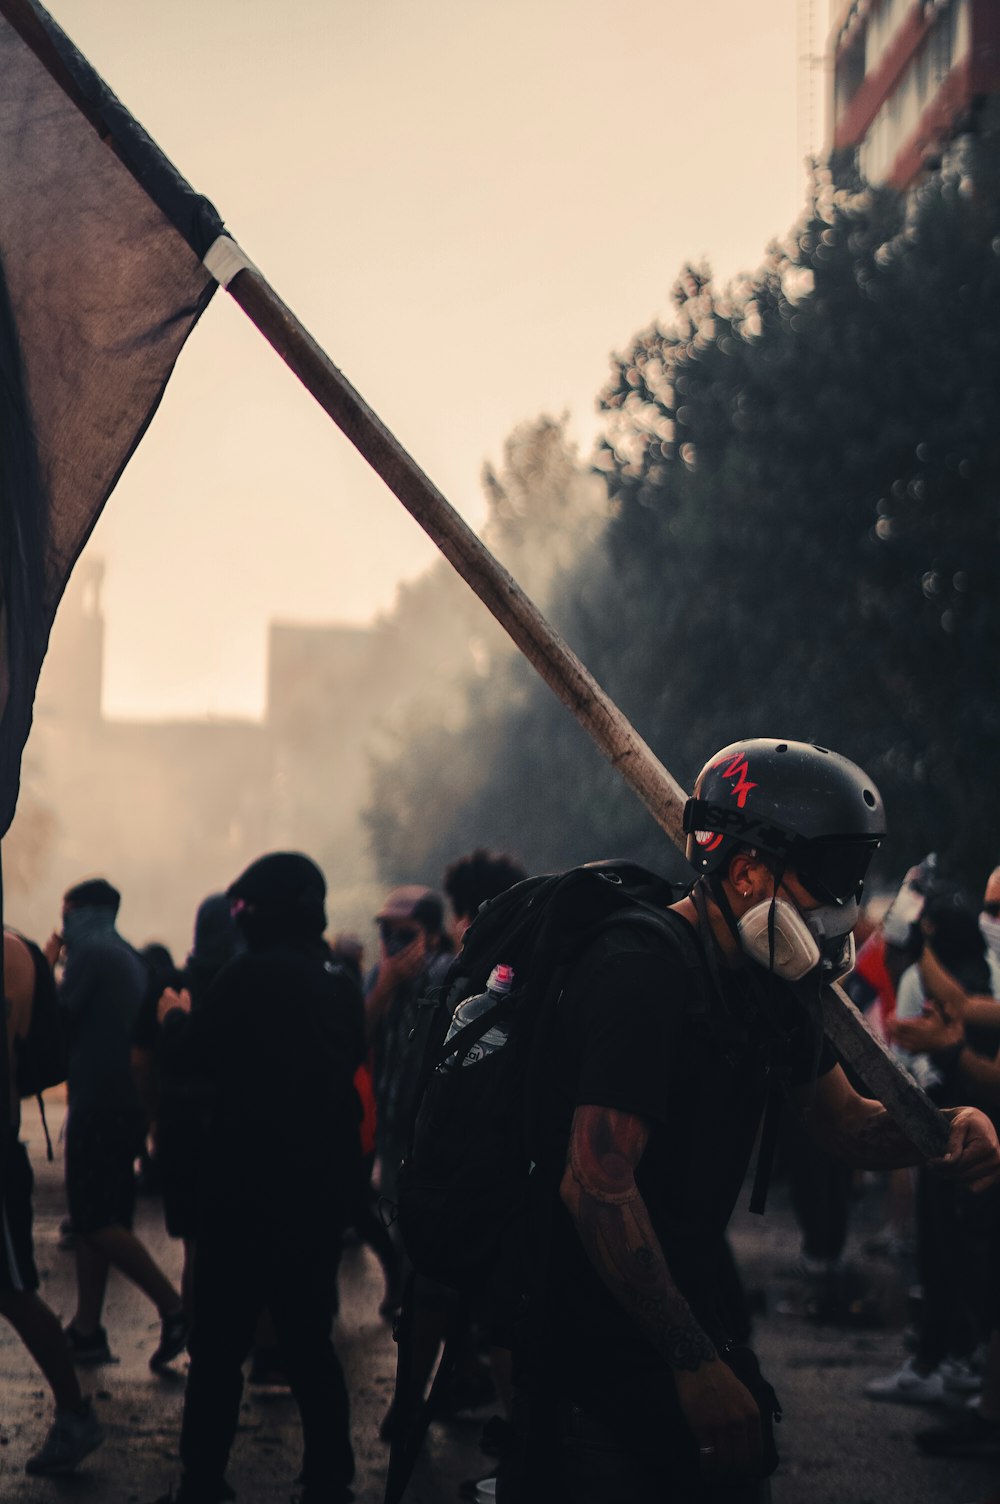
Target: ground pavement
838, 1448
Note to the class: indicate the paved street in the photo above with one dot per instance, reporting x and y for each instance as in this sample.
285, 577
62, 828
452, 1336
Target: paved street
837, 1447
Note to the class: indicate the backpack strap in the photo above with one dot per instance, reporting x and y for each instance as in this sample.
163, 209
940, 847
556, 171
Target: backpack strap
412, 1420
768, 1145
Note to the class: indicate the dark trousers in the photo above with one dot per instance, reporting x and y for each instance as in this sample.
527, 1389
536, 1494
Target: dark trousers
947, 1267
363, 1216
239, 1270
820, 1189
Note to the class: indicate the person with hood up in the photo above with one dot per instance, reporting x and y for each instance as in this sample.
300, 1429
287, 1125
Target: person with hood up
280, 1051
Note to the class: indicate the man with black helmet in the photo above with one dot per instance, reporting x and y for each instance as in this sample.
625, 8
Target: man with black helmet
278, 1042
667, 1056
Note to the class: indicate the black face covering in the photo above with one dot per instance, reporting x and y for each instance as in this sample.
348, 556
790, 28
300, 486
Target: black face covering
263, 927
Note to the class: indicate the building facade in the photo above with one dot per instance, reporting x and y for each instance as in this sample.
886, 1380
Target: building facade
172, 810
907, 77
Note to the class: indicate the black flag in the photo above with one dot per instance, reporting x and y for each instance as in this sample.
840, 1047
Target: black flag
101, 282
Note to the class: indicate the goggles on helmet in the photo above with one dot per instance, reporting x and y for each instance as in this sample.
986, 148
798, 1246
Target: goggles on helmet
832, 870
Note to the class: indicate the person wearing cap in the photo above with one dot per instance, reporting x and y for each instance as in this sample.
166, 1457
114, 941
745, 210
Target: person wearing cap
279, 1046
628, 1385
414, 956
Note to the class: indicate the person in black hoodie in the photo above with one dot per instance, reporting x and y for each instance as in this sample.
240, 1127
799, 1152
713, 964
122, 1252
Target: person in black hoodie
280, 1049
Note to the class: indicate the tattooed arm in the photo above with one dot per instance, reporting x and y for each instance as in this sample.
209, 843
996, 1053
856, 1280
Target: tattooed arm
600, 1193
861, 1131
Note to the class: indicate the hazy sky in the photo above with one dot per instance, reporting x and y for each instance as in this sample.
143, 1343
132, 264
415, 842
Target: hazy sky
470, 204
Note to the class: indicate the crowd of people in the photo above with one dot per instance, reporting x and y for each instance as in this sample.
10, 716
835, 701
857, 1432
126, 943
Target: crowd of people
247, 1084
633, 1378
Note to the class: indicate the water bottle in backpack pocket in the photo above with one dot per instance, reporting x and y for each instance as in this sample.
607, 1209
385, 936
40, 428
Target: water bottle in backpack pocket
497, 988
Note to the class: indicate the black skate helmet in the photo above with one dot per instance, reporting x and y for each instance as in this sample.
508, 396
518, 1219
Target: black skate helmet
817, 813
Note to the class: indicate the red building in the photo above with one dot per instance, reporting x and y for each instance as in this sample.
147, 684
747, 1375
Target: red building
909, 75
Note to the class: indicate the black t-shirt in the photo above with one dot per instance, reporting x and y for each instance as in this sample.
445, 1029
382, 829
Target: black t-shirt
639, 1032
278, 1036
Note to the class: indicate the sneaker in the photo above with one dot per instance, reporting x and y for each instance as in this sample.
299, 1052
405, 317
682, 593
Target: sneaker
90, 1349
73, 1435
969, 1435
173, 1339
814, 1271
960, 1377
908, 1387
469, 1487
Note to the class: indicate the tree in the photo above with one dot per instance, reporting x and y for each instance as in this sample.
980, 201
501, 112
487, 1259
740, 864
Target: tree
804, 471
448, 668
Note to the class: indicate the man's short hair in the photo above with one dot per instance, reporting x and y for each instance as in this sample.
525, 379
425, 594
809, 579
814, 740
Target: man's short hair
95, 893
471, 880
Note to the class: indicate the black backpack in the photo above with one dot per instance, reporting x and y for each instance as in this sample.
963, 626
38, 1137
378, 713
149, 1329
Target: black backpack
465, 1187
40, 1057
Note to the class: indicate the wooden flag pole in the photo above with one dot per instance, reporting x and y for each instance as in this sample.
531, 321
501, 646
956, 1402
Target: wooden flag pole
499, 591
557, 664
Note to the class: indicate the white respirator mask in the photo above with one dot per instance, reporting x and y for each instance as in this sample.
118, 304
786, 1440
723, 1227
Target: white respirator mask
801, 942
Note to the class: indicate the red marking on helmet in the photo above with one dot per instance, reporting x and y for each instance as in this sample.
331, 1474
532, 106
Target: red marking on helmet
738, 768
708, 840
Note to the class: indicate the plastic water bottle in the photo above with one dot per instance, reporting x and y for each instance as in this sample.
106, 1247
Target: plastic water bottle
908, 904
500, 983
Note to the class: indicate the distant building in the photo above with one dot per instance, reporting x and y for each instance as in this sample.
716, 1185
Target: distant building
171, 810
908, 76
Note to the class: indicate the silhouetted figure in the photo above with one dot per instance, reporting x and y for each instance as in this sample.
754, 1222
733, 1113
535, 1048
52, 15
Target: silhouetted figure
280, 1049
470, 881
415, 954
100, 994
179, 1105
75, 1431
